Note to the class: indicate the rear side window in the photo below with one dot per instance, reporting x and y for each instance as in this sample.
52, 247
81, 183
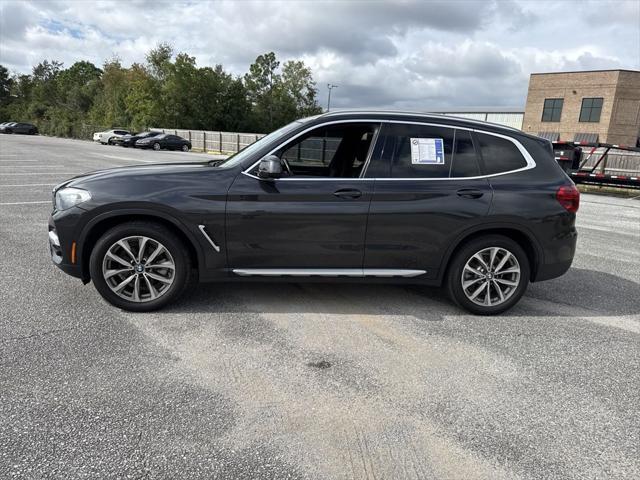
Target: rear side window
421, 151
424, 151
465, 161
499, 154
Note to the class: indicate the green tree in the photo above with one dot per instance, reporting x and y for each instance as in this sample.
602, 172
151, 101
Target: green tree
299, 86
6, 84
261, 83
279, 97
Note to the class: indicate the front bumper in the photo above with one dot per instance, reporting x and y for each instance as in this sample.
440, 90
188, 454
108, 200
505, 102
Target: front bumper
61, 243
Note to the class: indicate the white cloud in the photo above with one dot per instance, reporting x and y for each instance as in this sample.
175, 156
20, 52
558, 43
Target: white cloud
402, 54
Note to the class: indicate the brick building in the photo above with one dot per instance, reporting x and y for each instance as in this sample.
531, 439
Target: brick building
594, 106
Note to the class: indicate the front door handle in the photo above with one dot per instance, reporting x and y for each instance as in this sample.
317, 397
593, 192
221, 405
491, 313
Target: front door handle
348, 193
470, 193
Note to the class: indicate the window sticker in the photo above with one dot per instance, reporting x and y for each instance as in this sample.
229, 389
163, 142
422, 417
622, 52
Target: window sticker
427, 151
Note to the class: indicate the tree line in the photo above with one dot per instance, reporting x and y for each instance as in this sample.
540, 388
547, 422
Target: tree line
168, 90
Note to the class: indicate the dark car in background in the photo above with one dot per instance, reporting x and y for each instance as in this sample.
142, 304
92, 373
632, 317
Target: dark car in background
409, 198
19, 127
131, 139
164, 141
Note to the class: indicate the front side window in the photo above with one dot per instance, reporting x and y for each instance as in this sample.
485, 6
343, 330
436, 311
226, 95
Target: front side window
552, 110
499, 154
591, 110
334, 151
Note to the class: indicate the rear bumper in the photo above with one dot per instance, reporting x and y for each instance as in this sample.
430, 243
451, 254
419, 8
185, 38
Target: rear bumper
558, 257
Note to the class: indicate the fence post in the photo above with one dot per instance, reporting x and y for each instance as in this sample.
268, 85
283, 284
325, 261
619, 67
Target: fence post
220, 142
204, 141
237, 142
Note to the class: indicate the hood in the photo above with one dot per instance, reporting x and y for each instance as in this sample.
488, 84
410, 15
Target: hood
133, 171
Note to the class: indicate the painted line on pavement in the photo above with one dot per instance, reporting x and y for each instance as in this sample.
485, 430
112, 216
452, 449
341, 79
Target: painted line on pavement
25, 203
30, 185
32, 166
43, 173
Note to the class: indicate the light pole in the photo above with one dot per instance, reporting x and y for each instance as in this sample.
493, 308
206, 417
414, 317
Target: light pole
330, 86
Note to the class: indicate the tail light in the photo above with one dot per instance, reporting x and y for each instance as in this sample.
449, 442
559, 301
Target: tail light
569, 197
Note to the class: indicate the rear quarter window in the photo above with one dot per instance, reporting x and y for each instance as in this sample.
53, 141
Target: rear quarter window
499, 154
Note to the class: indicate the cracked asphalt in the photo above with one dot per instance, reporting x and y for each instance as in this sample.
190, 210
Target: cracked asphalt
312, 381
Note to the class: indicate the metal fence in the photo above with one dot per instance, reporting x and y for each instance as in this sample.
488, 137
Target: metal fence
619, 163
212, 141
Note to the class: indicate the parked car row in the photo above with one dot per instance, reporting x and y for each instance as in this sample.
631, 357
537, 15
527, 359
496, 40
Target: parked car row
155, 140
18, 127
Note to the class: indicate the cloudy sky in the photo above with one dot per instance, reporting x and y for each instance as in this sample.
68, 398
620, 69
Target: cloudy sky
393, 54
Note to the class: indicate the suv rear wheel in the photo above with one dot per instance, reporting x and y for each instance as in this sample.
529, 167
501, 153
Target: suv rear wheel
139, 266
156, 146
488, 275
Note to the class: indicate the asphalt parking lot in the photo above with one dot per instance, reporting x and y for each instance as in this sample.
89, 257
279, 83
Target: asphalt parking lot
311, 381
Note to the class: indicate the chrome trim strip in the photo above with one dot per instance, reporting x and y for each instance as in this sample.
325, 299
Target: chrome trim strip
53, 238
209, 239
530, 161
392, 272
328, 272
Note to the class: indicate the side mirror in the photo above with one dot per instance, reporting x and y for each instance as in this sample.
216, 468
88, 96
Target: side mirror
270, 167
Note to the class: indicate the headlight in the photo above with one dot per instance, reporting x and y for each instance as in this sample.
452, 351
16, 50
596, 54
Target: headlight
68, 197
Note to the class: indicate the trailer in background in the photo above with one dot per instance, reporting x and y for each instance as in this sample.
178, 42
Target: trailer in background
588, 163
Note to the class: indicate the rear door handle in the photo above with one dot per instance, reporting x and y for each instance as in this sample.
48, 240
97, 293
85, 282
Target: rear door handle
470, 193
348, 193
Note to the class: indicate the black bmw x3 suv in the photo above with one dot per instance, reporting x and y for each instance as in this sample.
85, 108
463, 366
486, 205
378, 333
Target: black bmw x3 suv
478, 208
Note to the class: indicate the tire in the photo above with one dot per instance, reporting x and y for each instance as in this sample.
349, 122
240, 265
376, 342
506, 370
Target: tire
185, 148
142, 285
156, 146
505, 289
110, 142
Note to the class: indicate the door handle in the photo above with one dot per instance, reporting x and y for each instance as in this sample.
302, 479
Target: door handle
348, 193
470, 193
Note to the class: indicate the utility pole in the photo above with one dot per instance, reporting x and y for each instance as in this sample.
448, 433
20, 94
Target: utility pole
330, 86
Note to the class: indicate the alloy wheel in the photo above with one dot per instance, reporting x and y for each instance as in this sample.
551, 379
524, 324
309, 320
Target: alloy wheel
491, 276
138, 269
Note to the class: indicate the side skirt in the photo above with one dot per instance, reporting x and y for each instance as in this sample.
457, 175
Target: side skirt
328, 272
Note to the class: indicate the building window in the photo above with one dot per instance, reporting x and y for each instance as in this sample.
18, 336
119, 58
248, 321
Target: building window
591, 109
552, 109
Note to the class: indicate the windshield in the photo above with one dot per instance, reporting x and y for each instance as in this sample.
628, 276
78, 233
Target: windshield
248, 150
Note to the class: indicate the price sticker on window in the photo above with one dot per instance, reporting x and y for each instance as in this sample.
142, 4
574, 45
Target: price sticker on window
427, 151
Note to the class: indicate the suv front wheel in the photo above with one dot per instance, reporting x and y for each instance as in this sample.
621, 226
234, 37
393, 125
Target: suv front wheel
488, 275
139, 266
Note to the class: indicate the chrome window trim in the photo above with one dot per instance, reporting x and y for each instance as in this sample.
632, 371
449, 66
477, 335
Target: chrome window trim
523, 151
328, 272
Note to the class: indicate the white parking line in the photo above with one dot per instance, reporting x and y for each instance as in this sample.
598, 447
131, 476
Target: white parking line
15, 160
25, 203
30, 185
115, 157
42, 173
32, 166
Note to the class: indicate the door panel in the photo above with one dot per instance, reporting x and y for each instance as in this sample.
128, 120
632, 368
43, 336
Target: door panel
302, 223
417, 208
412, 222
